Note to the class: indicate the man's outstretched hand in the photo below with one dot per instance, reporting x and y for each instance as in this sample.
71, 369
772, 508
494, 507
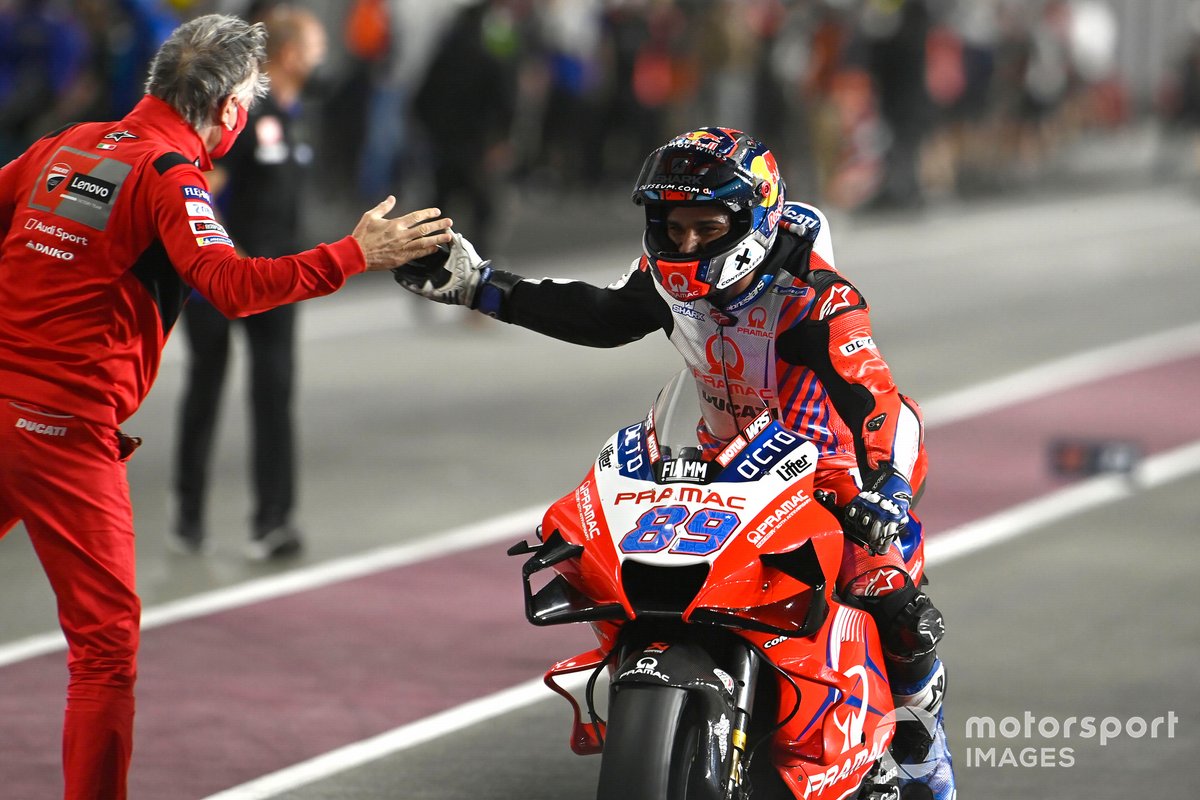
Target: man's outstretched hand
388, 243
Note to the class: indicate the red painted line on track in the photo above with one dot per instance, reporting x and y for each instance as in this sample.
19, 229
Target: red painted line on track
985, 464
226, 698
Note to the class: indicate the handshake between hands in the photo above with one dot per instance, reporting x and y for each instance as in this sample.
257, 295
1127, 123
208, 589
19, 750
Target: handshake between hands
451, 275
424, 255
388, 243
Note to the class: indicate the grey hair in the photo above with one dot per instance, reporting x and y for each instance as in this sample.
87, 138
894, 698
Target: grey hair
204, 61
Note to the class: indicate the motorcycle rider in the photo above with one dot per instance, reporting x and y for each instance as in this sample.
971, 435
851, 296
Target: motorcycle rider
745, 286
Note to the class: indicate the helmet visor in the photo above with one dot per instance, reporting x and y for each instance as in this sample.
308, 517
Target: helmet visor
684, 175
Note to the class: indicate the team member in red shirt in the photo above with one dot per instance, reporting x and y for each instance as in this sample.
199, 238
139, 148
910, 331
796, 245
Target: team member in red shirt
106, 228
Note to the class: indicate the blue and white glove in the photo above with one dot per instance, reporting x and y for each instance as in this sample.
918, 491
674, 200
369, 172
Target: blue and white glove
880, 511
456, 282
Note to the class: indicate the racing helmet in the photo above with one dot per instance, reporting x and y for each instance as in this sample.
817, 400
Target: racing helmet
710, 165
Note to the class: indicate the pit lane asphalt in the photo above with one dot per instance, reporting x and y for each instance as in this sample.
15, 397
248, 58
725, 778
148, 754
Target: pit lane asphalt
1086, 618
1087, 621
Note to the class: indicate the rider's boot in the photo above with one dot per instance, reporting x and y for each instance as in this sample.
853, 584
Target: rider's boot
919, 747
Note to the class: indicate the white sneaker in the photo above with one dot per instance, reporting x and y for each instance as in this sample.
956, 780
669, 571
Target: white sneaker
279, 542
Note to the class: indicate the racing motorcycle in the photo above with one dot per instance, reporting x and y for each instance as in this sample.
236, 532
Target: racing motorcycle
707, 575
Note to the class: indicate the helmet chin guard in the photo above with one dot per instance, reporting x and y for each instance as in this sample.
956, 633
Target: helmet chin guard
710, 165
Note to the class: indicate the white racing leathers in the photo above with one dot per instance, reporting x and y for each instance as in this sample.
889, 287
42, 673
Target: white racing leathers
799, 340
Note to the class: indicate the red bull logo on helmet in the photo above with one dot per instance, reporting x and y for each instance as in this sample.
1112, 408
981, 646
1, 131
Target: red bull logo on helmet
715, 140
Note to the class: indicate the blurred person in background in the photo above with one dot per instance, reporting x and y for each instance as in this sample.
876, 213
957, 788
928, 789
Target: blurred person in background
103, 227
897, 34
628, 116
124, 37
745, 286
259, 187
466, 104
1179, 99
569, 34
44, 52
398, 63
727, 42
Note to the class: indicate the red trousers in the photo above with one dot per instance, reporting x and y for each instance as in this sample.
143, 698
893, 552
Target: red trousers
65, 479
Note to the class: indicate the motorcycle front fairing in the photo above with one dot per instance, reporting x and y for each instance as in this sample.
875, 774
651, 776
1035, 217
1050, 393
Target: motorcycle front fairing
729, 538
655, 521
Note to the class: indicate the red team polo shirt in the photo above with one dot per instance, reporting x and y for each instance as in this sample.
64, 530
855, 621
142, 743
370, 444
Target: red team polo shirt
106, 229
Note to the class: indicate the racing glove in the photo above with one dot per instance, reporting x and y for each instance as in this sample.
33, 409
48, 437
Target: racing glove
451, 276
880, 511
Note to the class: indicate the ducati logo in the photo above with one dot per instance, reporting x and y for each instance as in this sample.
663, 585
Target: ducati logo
57, 174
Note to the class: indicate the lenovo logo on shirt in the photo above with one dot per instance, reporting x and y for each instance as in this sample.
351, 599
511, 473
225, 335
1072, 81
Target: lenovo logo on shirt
95, 188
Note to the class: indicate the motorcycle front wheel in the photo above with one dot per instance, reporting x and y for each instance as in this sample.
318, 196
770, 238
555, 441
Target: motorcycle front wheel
654, 748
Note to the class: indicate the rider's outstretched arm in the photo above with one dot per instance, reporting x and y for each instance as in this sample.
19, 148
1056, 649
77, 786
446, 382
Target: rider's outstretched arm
574, 311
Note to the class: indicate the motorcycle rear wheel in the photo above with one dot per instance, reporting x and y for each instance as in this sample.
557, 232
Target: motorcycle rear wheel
652, 748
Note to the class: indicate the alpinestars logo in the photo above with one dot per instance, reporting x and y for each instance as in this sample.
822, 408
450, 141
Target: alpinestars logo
838, 299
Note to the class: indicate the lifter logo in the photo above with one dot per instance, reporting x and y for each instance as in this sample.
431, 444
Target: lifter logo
42, 428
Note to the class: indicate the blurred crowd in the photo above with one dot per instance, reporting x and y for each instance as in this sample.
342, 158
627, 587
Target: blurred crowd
867, 103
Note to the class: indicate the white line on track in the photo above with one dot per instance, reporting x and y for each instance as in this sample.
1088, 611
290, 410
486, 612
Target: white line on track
393, 741
301, 580
955, 543
1062, 374
1019, 387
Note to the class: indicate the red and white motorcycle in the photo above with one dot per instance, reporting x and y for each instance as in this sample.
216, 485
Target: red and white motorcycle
708, 580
